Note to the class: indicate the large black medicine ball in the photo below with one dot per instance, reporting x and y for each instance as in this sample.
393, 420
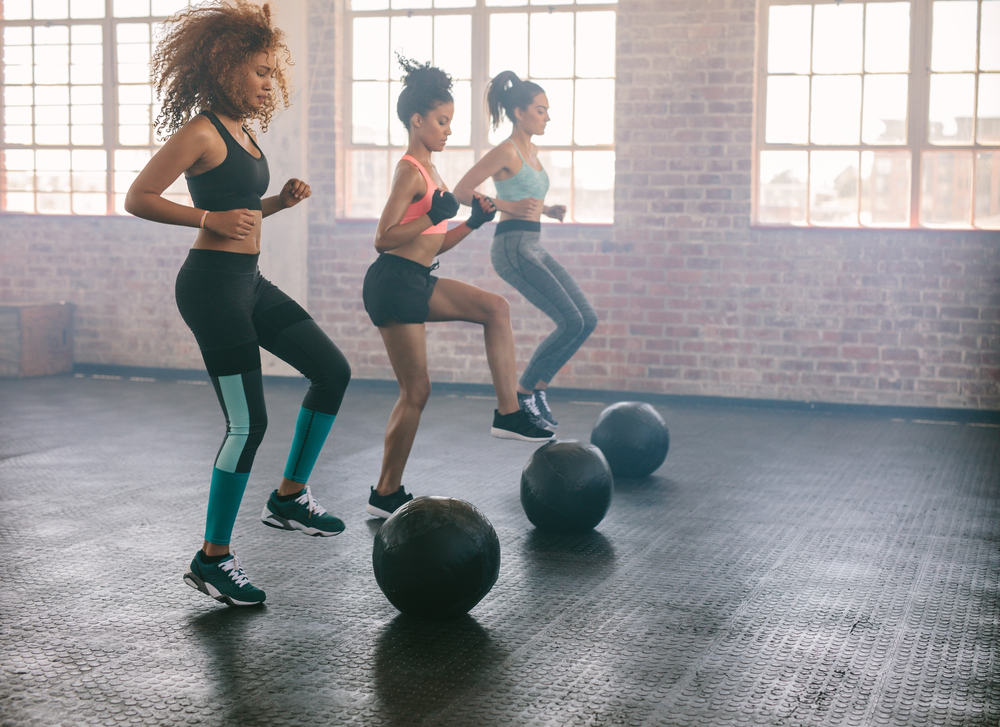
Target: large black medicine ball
566, 487
633, 437
436, 557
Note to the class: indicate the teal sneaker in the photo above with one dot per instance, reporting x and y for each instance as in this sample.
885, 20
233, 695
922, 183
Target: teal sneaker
303, 514
224, 581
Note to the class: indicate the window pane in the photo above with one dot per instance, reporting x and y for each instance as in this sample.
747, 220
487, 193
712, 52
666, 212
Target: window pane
953, 38
167, 7
370, 172
17, 115
453, 44
53, 203
20, 202
951, 108
135, 94
411, 37
90, 161
20, 181
988, 190
558, 165
461, 124
789, 30
17, 9
836, 109
369, 4
130, 8
87, 135
594, 117
370, 49
51, 9
946, 188
887, 37
884, 120
509, 44
833, 188
885, 188
17, 134
132, 33
560, 94
783, 187
454, 3
988, 111
837, 39
398, 135
410, 4
989, 48
90, 204
595, 45
551, 44
787, 119
504, 3
594, 186
369, 113
86, 8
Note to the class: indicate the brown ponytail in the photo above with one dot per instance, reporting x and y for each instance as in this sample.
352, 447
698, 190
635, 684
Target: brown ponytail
507, 92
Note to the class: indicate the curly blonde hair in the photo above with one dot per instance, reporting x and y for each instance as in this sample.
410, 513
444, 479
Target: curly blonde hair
201, 62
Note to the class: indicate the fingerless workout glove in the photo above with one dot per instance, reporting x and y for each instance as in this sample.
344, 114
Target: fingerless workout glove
443, 206
478, 217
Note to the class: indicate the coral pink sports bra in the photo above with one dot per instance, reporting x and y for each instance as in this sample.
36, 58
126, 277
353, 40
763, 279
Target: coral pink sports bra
423, 205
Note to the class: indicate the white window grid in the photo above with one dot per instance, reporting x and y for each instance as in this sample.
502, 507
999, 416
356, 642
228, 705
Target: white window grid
99, 133
976, 158
374, 162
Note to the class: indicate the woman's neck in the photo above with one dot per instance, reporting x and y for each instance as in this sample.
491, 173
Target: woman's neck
521, 138
419, 152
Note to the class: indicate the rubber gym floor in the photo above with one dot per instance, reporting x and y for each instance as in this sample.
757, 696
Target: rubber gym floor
783, 567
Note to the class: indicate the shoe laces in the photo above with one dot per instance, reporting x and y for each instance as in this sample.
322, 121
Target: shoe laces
234, 570
313, 507
540, 402
529, 405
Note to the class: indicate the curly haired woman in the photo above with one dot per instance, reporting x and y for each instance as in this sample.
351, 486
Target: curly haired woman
217, 68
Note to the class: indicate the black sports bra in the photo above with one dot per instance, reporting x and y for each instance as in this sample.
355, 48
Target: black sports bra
238, 183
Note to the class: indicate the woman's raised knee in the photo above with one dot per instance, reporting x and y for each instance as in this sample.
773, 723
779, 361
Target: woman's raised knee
416, 393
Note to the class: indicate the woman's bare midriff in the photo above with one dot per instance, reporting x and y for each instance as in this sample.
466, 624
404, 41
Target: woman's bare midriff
423, 250
249, 245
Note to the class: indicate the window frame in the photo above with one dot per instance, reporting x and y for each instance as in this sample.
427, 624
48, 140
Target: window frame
917, 124
479, 143
110, 105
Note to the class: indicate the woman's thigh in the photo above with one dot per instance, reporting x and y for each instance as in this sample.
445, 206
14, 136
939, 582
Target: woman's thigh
453, 300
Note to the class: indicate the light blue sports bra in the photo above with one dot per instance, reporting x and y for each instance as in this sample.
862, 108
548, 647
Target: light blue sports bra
528, 182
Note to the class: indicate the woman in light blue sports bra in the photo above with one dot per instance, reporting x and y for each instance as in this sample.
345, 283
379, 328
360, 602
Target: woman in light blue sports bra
517, 255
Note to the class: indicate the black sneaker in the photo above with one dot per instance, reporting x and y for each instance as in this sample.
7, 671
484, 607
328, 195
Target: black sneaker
518, 425
528, 405
544, 413
380, 506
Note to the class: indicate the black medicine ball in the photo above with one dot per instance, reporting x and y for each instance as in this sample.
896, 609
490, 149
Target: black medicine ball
436, 557
633, 437
566, 487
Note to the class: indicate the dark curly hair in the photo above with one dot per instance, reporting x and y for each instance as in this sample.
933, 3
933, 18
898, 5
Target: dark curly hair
425, 87
201, 62
507, 92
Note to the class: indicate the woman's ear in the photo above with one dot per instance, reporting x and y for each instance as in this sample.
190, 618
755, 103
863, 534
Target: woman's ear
416, 121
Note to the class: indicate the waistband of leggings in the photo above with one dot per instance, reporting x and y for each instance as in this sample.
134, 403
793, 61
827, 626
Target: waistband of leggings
387, 258
517, 226
221, 261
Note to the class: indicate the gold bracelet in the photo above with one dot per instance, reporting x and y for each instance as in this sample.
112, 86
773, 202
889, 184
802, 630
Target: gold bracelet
202, 223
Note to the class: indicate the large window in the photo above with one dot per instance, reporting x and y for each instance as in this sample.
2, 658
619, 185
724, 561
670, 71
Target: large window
77, 105
879, 114
566, 47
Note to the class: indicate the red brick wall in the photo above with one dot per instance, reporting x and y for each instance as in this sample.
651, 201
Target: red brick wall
691, 300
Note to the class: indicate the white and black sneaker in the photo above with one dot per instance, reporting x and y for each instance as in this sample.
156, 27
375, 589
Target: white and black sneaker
530, 407
518, 425
544, 413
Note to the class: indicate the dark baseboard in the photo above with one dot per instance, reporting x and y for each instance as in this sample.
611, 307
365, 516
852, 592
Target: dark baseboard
974, 416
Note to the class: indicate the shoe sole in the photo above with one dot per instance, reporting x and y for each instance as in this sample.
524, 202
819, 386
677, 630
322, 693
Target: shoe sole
276, 521
207, 588
377, 511
507, 434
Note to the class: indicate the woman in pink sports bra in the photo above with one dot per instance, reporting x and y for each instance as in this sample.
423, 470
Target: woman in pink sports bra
400, 294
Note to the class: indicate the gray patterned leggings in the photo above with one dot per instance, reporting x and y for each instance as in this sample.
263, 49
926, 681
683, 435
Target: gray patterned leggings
521, 261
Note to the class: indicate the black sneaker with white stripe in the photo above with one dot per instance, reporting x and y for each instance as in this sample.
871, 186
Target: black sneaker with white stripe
530, 407
544, 413
518, 425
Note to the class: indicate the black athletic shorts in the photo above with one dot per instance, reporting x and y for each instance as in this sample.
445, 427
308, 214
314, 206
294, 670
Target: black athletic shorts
397, 289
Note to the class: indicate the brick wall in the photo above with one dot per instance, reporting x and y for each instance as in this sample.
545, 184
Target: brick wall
691, 300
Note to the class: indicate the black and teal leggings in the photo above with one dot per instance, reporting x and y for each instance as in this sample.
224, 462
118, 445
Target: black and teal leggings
233, 312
